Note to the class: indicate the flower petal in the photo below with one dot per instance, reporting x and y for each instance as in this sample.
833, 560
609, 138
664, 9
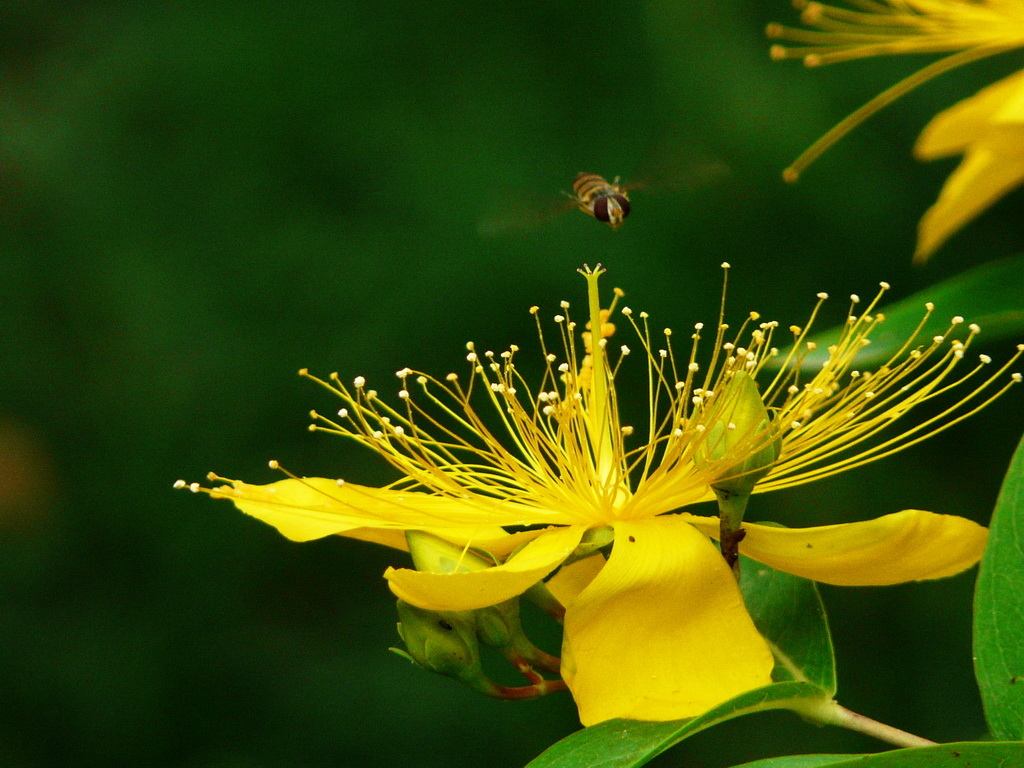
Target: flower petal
954, 129
314, 507
906, 546
572, 579
661, 633
467, 591
985, 175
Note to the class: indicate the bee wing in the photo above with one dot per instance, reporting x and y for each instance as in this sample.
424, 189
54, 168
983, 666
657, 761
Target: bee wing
695, 176
518, 217
677, 164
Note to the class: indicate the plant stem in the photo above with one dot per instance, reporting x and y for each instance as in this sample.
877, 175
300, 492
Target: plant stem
833, 713
731, 508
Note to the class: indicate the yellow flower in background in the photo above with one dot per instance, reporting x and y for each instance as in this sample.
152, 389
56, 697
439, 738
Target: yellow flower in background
986, 128
659, 631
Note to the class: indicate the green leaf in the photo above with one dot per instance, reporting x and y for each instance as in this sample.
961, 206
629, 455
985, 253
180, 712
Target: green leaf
989, 295
967, 754
788, 611
800, 761
999, 610
629, 743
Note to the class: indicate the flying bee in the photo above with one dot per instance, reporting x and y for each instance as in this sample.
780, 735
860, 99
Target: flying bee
603, 201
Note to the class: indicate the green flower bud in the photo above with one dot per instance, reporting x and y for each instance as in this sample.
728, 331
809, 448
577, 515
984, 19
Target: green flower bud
444, 643
497, 626
739, 445
432, 554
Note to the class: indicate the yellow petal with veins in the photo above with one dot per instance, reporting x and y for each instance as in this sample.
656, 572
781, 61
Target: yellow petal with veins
314, 507
905, 546
573, 579
661, 633
467, 591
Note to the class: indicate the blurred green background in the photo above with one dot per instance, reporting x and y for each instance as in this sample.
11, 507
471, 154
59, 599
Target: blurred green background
198, 199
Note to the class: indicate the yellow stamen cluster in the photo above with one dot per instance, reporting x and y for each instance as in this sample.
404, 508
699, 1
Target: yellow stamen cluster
558, 446
971, 29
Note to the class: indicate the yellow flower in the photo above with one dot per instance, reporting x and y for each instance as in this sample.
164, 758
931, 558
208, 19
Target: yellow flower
986, 127
659, 631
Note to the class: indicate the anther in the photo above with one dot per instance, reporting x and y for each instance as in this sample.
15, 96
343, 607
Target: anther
403, 394
626, 311
273, 464
974, 328
985, 359
339, 482
403, 373
421, 380
359, 382
725, 265
884, 286
559, 318
179, 484
563, 304
534, 309
303, 371
855, 298
957, 320
194, 487
1016, 377
693, 367
929, 306
822, 295
627, 431
698, 326
624, 350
